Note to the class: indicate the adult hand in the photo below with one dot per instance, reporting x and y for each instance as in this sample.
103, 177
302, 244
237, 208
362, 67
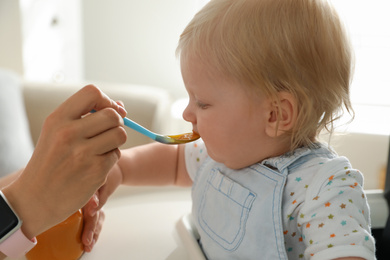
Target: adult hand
72, 158
114, 180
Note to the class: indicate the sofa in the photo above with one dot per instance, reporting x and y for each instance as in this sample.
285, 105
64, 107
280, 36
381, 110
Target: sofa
25, 105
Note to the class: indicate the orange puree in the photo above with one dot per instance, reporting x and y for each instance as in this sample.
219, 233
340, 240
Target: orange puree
187, 136
61, 242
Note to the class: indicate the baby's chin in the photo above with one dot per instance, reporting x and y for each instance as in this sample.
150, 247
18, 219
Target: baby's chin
228, 163
235, 164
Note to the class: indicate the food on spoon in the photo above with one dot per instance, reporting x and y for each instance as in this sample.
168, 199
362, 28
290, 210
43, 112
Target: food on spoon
186, 136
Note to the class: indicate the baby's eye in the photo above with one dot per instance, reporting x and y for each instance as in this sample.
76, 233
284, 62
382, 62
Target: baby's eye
202, 105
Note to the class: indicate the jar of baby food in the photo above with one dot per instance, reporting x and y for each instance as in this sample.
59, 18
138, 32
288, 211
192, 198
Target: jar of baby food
61, 242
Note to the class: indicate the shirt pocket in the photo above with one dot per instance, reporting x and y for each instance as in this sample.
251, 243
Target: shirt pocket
224, 210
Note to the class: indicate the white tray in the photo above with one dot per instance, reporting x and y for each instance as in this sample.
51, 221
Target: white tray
189, 237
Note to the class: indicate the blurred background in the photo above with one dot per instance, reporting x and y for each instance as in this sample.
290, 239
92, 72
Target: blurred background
134, 42
124, 41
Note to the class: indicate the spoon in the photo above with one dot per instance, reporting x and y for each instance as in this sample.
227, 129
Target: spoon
165, 139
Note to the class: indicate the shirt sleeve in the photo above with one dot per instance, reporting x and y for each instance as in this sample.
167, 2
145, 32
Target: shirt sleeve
195, 154
335, 220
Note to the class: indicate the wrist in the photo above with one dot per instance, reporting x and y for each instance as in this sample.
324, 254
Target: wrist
13, 241
33, 223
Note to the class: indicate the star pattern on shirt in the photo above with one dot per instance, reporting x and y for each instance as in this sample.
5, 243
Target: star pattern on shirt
330, 206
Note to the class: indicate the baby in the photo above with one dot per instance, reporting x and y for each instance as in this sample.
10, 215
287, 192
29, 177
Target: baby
264, 77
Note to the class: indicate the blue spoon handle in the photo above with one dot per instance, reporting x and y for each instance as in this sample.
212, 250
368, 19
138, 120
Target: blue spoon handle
140, 129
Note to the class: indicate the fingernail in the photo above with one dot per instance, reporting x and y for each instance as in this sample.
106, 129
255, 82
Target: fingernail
122, 111
92, 245
96, 200
92, 212
89, 238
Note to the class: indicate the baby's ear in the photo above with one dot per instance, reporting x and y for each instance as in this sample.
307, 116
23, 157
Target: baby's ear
282, 115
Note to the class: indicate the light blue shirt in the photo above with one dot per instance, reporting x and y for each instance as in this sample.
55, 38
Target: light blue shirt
253, 213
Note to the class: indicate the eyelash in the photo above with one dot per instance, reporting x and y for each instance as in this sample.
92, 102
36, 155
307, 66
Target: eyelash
202, 105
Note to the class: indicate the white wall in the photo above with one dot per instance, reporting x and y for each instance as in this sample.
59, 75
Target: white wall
132, 41
52, 40
10, 36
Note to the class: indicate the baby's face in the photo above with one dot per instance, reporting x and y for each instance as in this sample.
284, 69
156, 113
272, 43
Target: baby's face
230, 121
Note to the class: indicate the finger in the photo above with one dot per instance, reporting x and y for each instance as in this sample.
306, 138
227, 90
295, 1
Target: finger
104, 193
99, 122
90, 223
106, 162
99, 225
89, 248
98, 228
95, 205
88, 98
120, 102
92, 205
107, 141
114, 180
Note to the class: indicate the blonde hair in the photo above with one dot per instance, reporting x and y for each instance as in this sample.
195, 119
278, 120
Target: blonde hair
296, 46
